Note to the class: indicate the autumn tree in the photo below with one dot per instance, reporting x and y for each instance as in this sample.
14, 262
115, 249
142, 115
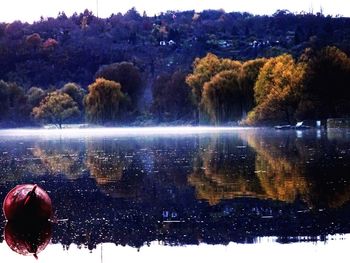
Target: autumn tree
206, 68
34, 40
56, 108
172, 97
103, 102
126, 74
276, 91
208, 72
222, 97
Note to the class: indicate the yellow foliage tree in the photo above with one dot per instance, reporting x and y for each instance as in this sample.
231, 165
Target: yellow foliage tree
204, 70
56, 108
219, 98
222, 97
102, 103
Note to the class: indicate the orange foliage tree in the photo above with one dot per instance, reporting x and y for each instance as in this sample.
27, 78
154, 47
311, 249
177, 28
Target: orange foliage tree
276, 91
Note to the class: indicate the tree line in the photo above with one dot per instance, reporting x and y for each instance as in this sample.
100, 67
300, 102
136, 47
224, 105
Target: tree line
103, 102
275, 90
262, 91
41, 58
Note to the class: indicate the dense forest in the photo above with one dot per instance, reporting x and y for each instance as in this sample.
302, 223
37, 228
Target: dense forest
175, 67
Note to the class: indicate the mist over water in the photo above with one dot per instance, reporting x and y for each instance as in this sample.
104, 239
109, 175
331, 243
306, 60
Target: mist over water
116, 132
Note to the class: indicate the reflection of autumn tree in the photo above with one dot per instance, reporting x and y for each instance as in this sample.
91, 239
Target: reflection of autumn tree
278, 167
281, 167
220, 172
59, 158
17, 162
111, 165
290, 168
104, 166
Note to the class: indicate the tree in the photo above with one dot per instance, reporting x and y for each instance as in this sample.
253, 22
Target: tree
222, 97
250, 73
34, 40
56, 108
102, 103
75, 92
325, 92
126, 74
132, 14
34, 96
13, 104
276, 91
4, 101
206, 68
172, 97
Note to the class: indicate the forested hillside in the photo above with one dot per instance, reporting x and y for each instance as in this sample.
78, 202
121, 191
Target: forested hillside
44, 56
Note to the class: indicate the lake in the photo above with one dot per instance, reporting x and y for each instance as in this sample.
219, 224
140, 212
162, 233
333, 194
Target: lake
172, 194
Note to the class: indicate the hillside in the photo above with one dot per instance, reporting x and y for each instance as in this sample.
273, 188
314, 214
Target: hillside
55, 51
150, 61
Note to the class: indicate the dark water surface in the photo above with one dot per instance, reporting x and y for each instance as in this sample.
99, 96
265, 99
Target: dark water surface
238, 188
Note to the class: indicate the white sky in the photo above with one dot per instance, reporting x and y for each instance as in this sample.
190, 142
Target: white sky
31, 10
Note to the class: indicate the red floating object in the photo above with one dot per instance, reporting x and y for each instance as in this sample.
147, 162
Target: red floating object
27, 202
28, 239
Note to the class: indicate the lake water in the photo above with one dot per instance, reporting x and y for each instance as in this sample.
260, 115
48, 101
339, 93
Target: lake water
175, 194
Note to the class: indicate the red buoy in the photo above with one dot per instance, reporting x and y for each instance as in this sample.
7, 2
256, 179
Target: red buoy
27, 202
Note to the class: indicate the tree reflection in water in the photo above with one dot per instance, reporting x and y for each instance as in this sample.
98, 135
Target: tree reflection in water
278, 167
115, 166
57, 157
223, 170
214, 189
309, 169
272, 165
